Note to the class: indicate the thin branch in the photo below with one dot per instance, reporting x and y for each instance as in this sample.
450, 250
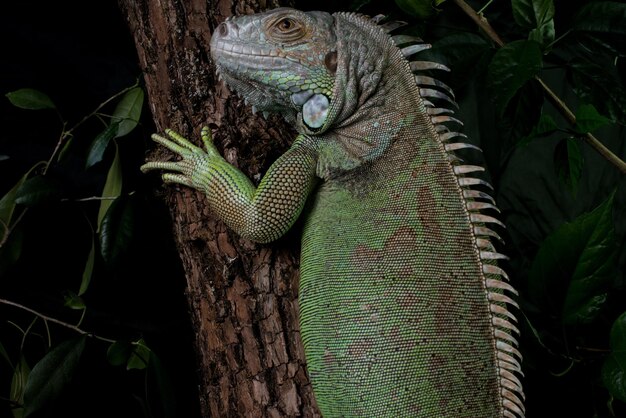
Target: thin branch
57, 147
56, 321
482, 9
557, 40
480, 20
65, 134
25, 333
552, 97
101, 105
588, 137
88, 199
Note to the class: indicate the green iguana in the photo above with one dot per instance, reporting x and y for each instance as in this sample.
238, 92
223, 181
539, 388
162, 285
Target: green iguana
403, 309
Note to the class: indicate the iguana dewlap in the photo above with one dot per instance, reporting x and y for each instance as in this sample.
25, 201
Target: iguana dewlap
403, 309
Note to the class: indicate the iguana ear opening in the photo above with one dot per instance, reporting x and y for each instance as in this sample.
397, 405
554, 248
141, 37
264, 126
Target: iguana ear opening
330, 60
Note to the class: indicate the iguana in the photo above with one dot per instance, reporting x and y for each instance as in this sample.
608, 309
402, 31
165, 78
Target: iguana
403, 310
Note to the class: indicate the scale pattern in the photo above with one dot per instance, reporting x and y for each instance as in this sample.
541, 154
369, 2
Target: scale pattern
404, 311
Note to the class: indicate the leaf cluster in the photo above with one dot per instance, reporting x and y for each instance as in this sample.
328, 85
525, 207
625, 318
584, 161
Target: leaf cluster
44, 359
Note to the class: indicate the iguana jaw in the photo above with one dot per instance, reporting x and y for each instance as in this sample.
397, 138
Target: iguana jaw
276, 69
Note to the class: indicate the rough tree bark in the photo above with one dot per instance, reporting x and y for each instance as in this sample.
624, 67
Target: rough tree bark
242, 296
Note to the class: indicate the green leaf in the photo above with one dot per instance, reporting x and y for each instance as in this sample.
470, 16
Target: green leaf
614, 375
614, 368
73, 301
536, 15
52, 373
588, 119
595, 267
531, 14
417, 8
65, 149
5, 355
11, 250
18, 385
7, 203
545, 126
112, 187
604, 23
100, 143
569, 163
119, 353
603, 17
466, 54
37, 190
544, 34
599, 86
30, 99
522, 113
511, 67
357, 4
128, 111
88, 270
140, 356
117, 230
575, 266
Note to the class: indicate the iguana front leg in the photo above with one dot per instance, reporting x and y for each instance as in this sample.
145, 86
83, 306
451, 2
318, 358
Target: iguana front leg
261, 213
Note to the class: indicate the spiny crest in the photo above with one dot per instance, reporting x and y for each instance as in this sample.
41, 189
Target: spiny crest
438, 98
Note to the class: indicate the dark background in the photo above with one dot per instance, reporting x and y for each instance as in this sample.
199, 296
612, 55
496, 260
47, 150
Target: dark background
80, 54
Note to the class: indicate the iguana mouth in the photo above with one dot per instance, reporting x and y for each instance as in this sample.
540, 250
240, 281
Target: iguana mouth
253, 59
251, 91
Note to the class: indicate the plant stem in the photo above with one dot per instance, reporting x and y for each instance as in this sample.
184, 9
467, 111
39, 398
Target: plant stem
559, 104
101, 105
588, 137
66, 134
481, 21
56, 321
482, 9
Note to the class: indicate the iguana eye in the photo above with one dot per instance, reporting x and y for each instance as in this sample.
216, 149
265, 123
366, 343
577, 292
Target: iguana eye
287, 29
285, 24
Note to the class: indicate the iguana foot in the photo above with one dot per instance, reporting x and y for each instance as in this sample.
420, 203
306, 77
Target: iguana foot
195, 161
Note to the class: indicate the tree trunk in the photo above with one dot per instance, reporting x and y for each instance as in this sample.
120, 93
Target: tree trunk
242, 296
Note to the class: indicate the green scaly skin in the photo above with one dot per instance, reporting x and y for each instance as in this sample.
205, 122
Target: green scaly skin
402, 307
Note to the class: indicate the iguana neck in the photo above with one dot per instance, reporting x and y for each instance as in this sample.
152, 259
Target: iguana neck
374, 97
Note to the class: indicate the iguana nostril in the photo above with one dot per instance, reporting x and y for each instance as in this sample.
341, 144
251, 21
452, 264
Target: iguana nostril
223, 29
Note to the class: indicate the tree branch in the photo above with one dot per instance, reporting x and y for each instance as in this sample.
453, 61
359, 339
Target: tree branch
559, 104
481, 21
56, 321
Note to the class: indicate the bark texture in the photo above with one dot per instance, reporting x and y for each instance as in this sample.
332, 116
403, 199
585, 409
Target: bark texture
242, 296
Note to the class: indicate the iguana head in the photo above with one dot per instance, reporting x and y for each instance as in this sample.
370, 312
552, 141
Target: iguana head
281, 61
337, 76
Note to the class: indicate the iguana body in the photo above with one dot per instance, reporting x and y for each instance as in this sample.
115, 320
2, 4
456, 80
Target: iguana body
402, 307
